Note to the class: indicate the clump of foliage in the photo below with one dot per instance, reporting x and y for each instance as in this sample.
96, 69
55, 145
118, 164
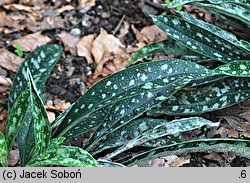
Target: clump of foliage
120, 109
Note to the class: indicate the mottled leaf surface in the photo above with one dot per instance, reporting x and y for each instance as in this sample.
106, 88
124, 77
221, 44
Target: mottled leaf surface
3, 150
139, 87
40, 62
16, 117
61, 155
232, 10
237, 146
218, 95
149, 93
144, 130
41, 122
200, 40
169, 47
227, 36
176, 3
238, 68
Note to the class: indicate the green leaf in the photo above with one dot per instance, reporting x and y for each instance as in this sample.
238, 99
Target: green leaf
169, 47
201, 40
227, 36
238, 146
34, 135
143, 130
16, 117
106, 163
61, 155
40, 62
218, 95
176, 3
41, 122
238, 68
131, 92
3, 150
232, 10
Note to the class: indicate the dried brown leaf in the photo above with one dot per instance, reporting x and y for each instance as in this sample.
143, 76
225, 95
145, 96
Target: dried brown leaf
69, 41
9, 23
31, 41
3, 119
4, 2
9, 60
51, 116
84, 47
13, 157
64, 8
5, 81
18, 7
86, 4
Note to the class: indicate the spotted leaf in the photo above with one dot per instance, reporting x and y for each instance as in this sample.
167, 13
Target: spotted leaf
128, 94
239, 147
218, 95
232, 10
176, 3
169, 47
16, 117
238, 68
148, 95
61, 155
143, 130
34, 134
227, 36
40, 62
200, 40
3, 150
42, 127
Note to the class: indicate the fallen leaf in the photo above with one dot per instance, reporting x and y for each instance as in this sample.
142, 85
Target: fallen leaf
84, 47
149, 34
31, 41
107, 48
69, 41
5, 81
3, 119
13, 157
175, 161
64, 8
9, 23
4, 2
9, 60
86, 4
18, 7
214, 157
61, 104
51, 116
36, 3
124, 30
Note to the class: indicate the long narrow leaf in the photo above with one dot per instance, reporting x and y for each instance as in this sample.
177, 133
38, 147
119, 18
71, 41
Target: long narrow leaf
237, 146
144, 130
200, 40
149, 94
238, 68
3, 150
40, 62
146, 83
16, 117
218, 95
41, 121
61, 155
169, 47
218, 32
232, 10
176, 3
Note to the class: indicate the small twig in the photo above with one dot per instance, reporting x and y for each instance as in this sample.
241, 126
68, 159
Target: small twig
119, 25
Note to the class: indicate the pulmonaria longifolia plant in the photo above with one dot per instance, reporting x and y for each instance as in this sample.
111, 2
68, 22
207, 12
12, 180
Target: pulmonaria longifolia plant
120, 110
